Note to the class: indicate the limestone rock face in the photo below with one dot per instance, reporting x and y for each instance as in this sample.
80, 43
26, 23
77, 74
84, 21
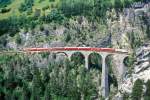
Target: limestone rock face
141, 69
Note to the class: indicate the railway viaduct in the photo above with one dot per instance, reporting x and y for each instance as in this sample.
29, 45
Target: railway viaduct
86, 51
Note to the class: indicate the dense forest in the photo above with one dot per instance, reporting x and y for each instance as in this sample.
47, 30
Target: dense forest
21, 79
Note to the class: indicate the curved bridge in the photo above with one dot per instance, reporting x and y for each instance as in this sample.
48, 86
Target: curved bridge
86, 51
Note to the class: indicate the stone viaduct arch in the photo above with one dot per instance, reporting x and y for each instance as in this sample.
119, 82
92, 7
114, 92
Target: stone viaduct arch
78, 56
87, 51
98, 60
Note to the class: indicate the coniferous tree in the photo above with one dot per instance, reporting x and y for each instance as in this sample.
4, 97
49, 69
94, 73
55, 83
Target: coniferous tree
37, 85
17, 94
2, 95
137, 90
147, 94
47, 95
86, 87
26, 93
28, 75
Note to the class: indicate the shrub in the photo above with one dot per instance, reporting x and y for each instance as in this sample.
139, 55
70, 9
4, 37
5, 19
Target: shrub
37, 12
5, 10
129, 61
67, 37
22, 8
101, 6
51, 0
4, 3
3, 41
135, 39
18, 39
41, 28
46, 7
54, 15
27, 5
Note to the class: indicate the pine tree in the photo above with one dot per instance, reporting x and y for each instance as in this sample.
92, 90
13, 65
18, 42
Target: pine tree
28, 75
17, 94
2, 95
37, 85
26, 94
45, 76
137, 90
147, 94
47, 95
86, 87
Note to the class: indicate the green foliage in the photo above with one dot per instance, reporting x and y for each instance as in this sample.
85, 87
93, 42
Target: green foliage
147, 94
125, 96
5, 10
77, 58
2, 80
88, 91
51, 0
94, 8
22, 80
41, 28
95, 61
47, 95
14, 23
45, 54
134, 39
67, 36
126, 3
76, 7
129, 61
54, 15
8, 25
4, 3
137, 90
101, 6
46, 7
27, 5
3, 41
18, 39
118, 4
148, 30
26, 93
37, 84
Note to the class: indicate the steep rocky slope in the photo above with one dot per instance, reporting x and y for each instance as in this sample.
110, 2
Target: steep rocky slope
141, 69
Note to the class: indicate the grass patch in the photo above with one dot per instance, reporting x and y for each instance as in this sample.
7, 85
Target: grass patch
14, 9
37, 5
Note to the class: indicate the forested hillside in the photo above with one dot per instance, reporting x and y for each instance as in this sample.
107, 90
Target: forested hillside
120, 24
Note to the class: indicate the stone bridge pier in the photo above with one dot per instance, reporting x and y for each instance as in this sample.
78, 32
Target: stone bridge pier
104, 78
86, 51
105, 68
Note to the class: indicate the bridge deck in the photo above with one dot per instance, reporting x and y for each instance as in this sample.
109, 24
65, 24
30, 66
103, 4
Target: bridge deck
61, 49
112, 50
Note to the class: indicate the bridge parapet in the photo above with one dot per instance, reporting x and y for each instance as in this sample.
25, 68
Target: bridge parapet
109, 50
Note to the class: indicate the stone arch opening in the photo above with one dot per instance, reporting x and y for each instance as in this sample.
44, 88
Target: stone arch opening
78, 58
95, 61
112, 80
128, 61
61, 53
59, 57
